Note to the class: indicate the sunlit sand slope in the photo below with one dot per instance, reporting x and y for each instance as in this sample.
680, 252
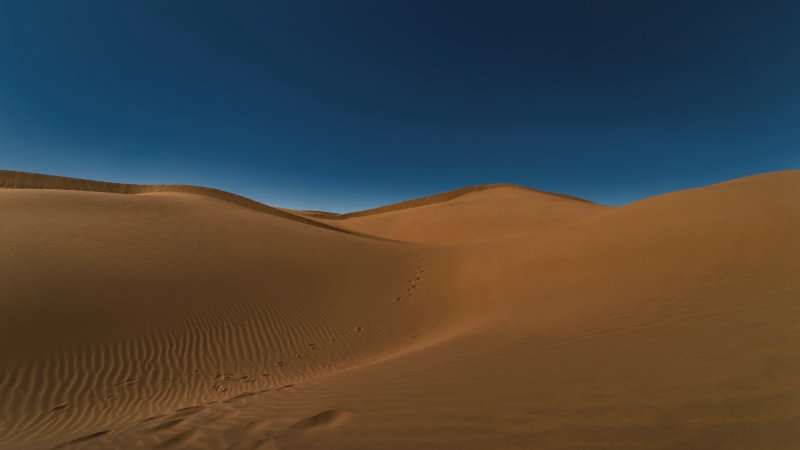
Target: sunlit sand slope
180, 321
475, 215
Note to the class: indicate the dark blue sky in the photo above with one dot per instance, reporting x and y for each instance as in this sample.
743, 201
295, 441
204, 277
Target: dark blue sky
343, 105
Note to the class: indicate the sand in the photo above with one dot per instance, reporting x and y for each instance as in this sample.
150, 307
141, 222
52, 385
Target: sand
494, 318
475, 214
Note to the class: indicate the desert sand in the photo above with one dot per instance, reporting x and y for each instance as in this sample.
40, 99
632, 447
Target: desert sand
491, 317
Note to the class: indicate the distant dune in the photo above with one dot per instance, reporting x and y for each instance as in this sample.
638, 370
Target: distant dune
437, 198
492, 317
25, 180
480, 213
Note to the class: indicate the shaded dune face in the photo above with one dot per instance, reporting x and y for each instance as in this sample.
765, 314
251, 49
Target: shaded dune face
23, 180
507, 318
127, 305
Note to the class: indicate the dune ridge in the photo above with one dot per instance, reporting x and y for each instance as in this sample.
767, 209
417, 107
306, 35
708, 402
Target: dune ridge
10, 179
180, 321
472, 216
434, 199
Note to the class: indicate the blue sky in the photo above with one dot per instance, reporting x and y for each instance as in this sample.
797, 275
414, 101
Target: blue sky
352, 104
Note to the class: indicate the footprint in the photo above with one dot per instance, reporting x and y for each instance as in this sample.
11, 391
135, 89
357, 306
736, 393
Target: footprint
220, 381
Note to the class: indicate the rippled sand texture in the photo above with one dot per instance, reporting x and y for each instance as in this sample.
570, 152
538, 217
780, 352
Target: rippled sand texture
492, 317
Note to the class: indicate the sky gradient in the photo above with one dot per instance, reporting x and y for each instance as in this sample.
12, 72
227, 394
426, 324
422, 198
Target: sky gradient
348, 105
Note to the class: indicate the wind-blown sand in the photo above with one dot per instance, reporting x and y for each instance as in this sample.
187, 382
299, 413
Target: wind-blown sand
500, 317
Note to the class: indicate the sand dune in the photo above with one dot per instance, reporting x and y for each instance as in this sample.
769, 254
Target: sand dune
178, 319
480, 213
438, 198
10, 179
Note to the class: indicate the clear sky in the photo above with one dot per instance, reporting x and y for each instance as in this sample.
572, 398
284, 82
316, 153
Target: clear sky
344, 105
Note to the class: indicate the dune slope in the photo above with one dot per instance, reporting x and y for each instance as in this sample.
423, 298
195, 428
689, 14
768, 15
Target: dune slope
121, 307
181, 321
10, 179
480, 213
438, 198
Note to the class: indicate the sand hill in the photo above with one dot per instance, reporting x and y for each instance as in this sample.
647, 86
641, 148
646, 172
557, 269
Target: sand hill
494, 318
474, 214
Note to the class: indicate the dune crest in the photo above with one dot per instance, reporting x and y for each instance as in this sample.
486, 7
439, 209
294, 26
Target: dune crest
436, 198
471, 215
187, 321
10, 179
